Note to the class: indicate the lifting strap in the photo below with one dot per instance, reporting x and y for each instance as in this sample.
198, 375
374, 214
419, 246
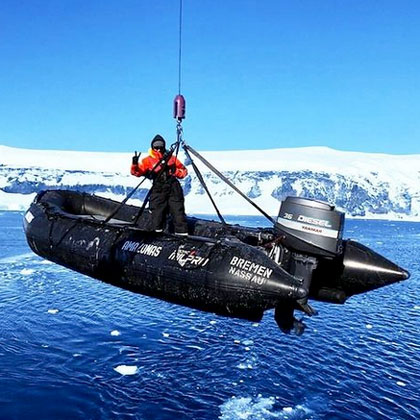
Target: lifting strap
109, 217
223, 178
145, 201
201, 179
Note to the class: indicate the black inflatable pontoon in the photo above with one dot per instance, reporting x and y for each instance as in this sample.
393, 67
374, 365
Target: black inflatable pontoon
227, 269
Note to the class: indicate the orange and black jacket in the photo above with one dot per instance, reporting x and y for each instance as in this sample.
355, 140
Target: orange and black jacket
175, 167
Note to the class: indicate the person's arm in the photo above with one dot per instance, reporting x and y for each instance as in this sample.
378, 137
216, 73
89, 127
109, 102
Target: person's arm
180, 170
139, 169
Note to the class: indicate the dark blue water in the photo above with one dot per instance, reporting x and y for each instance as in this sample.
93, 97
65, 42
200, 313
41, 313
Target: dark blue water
72, 347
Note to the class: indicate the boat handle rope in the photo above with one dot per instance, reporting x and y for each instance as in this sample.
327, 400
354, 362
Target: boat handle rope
66, 232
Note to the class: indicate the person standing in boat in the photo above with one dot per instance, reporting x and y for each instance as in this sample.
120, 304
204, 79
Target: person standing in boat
166, 194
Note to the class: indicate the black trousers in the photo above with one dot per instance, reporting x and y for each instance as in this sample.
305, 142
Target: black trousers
167, 197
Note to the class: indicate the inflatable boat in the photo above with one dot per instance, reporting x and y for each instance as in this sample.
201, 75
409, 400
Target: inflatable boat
227, 269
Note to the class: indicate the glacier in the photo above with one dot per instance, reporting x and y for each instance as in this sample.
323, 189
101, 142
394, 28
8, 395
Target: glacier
363, 185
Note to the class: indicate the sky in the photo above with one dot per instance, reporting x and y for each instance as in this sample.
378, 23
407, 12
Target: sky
256, 74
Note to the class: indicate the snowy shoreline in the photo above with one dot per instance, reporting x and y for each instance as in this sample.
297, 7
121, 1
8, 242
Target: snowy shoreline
362, 185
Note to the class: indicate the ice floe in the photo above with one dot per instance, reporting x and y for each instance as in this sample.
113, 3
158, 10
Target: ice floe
53, 311
246, 408
126, 369
115, 333
244, 366
260, 407
27, 271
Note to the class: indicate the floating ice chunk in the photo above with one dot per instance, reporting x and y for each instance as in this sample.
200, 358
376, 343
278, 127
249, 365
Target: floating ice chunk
247, 342
165, 334
244, 366
256, 324
259, 408
27, 271
213, 322
126, 369
369, 326
401, 383
416, 307
237, 341
115, 333
249, 408
247, 349
76, 355
53, 311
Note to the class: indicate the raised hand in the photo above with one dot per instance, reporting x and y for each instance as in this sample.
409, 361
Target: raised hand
135, 159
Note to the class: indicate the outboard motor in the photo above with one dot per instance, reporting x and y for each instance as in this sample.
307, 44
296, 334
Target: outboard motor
310, 226
309, 230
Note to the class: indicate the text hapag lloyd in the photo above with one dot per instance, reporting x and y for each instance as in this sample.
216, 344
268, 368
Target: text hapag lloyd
249, 270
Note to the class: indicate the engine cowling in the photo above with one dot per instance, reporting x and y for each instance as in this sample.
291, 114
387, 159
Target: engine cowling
311, 226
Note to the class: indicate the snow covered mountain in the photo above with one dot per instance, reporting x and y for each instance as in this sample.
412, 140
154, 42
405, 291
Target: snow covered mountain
360, 184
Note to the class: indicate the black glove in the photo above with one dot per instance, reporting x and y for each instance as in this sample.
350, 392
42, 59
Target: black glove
135, 159
150, 175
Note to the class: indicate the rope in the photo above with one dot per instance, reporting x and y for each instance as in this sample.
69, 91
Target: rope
66, 232
180, 46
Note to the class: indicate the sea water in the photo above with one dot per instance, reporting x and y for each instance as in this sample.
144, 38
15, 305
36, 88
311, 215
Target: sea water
72, 347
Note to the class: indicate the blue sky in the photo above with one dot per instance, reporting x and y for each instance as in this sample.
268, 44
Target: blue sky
101, 75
